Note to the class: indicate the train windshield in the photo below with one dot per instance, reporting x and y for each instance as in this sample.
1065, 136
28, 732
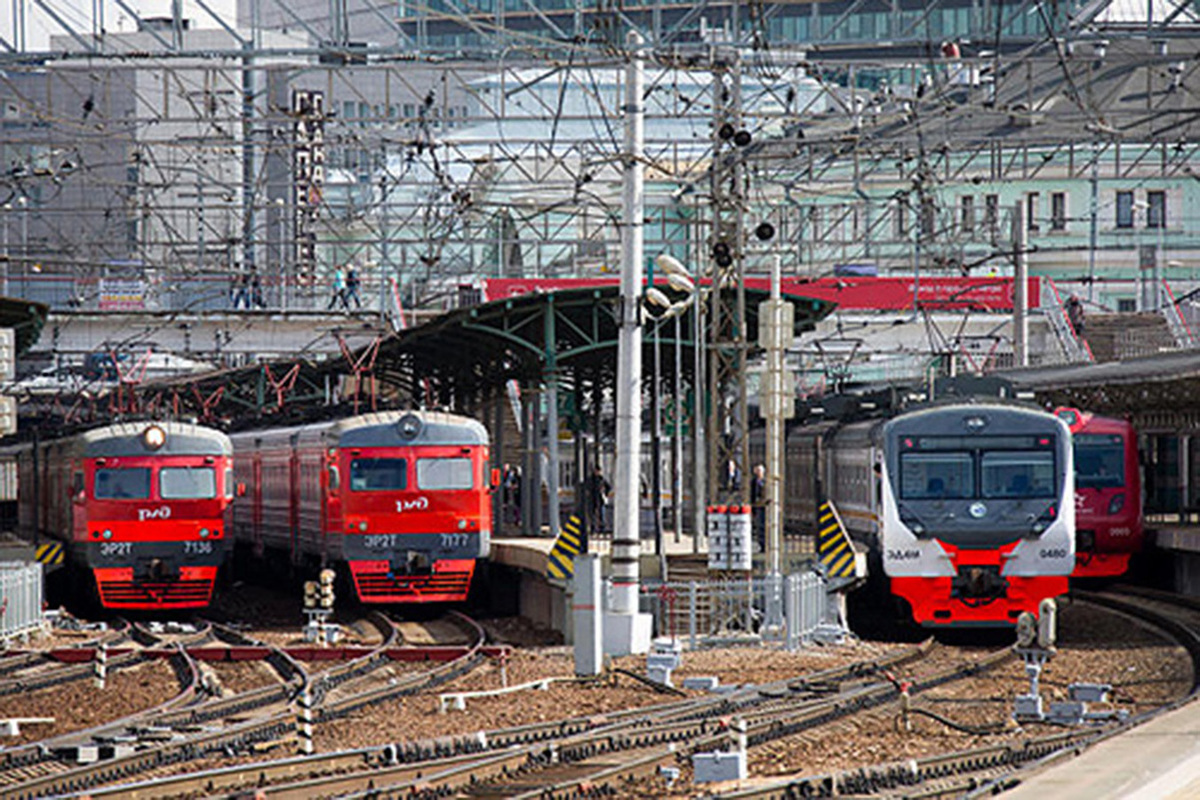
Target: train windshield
126, 483
444, 473
1018, 473
378, 474
936, 476
1099, 460
187, 483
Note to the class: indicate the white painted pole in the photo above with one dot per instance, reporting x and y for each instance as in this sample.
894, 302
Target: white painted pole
1020, 287
626, 545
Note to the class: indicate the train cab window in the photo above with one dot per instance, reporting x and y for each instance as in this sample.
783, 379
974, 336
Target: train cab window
1018, 474
127, 483
1099, 461
77, 483
444, 473
378, 474
187, 483
936, 476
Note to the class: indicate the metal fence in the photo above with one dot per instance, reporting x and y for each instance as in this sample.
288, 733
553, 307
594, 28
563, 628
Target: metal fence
740, 608
20, 599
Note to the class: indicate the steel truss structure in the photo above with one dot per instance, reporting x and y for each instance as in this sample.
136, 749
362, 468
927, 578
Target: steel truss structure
156, 168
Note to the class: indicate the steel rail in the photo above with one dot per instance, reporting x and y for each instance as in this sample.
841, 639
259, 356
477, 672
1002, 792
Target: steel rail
458, 760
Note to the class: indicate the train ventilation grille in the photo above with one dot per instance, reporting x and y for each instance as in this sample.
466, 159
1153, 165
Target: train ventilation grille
157, 593
373, 585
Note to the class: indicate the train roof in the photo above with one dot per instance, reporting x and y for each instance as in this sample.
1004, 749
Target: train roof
128, 439
385, 429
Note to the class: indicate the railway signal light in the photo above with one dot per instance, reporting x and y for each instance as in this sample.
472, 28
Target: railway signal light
326, 579
1047, 623
1026, 630
312, 594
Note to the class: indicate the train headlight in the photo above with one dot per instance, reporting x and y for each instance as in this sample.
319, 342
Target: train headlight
462, 524
154, 437
1116, 504
912, 522
362, 526
204, 533
107, 534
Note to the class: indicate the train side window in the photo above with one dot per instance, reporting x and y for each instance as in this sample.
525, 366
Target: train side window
229, 484
126, 483
444, 473
335, 478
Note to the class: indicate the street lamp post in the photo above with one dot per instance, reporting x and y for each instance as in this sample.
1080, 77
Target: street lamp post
281, 212
24, 203
4, 286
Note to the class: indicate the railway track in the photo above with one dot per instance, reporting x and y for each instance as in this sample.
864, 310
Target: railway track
537, 756
188, 730
983, 771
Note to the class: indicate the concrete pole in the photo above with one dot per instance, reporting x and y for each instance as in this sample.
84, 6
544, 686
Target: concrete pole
587, 615
775, 417
622, 635
1020, 288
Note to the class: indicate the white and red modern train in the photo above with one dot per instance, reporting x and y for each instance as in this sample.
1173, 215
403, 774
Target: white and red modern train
966, 510
1108, 494
141, 509
401, 500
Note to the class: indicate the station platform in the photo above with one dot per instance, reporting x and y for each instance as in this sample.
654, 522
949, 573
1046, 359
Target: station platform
1156, 761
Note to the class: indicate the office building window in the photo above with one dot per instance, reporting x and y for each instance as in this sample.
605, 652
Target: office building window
1124, 209
966, 207
1031, 212
900, 219
991, 212
1156, 209
1058, 211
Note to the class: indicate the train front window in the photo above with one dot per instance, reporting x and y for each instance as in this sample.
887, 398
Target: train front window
444, 473
378, 474
187, 483
936, 476
1099, 461
125, 483
1018, 474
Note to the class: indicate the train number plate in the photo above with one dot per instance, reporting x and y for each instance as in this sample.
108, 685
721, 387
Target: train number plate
197, 548
381, 541
455, 540
114, 549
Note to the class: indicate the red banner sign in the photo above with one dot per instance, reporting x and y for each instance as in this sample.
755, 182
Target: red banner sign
850, 294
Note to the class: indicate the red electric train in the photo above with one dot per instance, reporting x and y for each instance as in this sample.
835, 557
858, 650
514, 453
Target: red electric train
399, 500
1108, 494
140, 507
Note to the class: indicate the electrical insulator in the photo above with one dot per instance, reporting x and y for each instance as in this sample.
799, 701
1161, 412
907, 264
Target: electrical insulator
1047, 623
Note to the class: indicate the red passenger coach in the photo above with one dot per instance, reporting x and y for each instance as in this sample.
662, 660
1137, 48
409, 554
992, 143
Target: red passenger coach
141, 506
401, 499
1108, 494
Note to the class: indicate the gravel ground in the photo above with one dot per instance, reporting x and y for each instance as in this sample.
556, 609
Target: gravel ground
1095, 647
79, 705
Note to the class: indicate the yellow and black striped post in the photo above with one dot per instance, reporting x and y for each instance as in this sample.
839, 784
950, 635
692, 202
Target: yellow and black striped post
834, 550
571, 541
51, 554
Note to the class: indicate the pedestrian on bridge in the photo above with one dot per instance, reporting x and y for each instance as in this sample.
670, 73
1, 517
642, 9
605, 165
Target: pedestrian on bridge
352, 284
339, 290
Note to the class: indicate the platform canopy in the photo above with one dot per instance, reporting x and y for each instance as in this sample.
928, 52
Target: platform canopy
455, 360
